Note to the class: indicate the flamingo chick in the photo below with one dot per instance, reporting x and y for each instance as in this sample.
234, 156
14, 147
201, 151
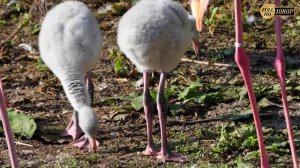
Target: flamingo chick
70, 42
154, 34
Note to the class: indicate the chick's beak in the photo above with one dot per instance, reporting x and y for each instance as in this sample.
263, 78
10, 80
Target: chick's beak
198, 8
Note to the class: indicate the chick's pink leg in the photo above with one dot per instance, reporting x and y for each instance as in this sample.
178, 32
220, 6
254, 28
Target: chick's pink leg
86, 142
148, 109
164, 154
73, 129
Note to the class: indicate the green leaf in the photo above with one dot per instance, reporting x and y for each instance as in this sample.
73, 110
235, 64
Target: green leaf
250, 142
230, 93
118, 64
190, 91
22, 124
276, 88
278, 147
176, 108
252, 155
121, 115
297, 88
213, 13
264, 102
210, 98
243, 93
137, 102
41, 66
2, 22
290, 98
153, 94
35, 29
229, 51
240, 163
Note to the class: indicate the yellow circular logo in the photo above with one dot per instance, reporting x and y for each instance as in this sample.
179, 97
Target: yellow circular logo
267, 11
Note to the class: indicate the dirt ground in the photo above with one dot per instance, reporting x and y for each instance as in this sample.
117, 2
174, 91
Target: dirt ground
38, 93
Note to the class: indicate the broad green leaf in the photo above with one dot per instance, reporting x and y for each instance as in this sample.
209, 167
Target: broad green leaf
278, 147
250, 142
290, 98
276, 88
121, 115
41, 66
137, 102
230, 93
22, 124
264, 102
243, 93
190, 91
252, 155
175, 109
229, 51
153, 94
297, 88
210, 98
241, 163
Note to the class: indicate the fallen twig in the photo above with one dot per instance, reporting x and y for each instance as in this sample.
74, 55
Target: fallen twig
23, 144
181, 122
226, 117
206, 63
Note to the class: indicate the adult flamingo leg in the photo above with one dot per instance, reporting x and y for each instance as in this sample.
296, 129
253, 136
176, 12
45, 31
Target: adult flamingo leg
7, 129
280, 69
243, 62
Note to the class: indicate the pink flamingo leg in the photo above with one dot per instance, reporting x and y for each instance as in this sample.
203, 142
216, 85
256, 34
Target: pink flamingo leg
280, 69
7, 129
148, 108
243, 63
83, 142
165, 153
73, 129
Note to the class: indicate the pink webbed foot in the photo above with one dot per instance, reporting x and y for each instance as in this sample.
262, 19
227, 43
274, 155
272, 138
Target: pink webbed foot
169, 157
86, 142
73, 129
150, 151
